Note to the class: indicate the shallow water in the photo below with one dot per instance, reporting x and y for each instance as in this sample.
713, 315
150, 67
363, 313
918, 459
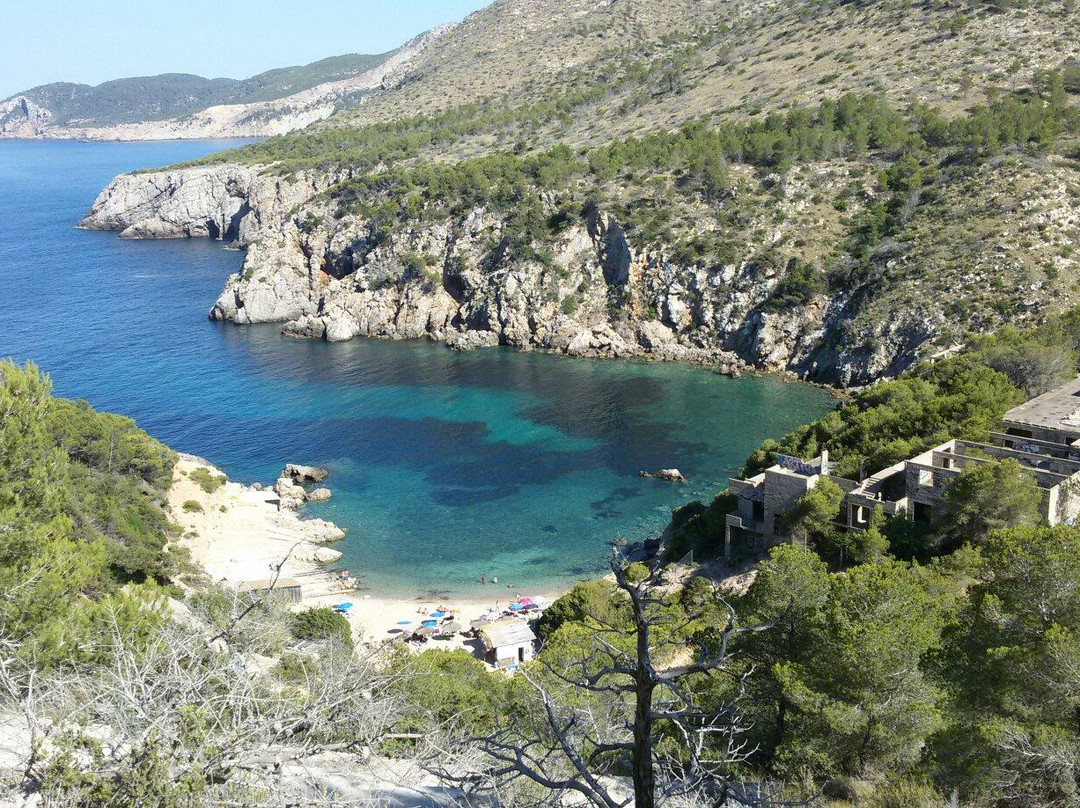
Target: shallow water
445, 466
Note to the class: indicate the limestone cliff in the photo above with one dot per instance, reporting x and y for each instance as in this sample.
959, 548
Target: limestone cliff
595, 293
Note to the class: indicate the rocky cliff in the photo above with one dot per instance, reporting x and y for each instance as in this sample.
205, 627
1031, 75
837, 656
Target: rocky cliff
594, 292
488, 194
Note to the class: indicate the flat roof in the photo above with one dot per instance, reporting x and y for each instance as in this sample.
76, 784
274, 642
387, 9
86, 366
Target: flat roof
281, 583
1057, 409
508, 631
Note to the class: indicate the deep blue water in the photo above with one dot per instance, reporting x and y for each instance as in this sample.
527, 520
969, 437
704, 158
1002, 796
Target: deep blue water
444, 465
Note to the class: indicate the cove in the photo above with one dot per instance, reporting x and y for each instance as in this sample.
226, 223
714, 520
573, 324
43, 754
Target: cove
445, 466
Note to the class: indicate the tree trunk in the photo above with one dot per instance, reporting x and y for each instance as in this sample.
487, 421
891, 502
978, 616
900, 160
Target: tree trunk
781, 721
644, 775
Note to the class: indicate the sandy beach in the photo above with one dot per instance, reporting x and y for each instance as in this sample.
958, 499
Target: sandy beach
238, 535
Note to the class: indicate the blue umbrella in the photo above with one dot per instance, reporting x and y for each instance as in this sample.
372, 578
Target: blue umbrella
404, 622
430, 623
343, 607
438, 614
516, 607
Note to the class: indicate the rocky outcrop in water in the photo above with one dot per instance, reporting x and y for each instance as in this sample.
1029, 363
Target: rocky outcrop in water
305, 474
667, 475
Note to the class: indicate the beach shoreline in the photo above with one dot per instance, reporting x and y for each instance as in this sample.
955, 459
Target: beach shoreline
237, 535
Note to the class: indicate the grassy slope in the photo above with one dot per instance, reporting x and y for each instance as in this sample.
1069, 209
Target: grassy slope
722, 59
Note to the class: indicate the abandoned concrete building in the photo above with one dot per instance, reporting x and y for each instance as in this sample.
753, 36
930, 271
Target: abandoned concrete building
1047, 424
1042, 435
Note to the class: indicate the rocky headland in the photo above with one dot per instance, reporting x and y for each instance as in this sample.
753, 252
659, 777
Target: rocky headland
598, 294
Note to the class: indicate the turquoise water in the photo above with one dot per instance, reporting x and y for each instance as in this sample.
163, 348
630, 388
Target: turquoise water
445, 466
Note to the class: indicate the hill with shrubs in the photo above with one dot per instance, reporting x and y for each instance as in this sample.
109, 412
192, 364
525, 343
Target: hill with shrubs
830, 189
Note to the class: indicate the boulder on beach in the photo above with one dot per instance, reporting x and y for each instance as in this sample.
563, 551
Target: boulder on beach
285, 488
289, 503
318, 495
324, 555
668, 475
305, 474
319, 531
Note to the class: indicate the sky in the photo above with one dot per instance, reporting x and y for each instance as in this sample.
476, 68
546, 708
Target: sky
91, 41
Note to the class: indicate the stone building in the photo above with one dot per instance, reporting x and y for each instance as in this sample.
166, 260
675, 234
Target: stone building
1042, 435
915, 487
764, 498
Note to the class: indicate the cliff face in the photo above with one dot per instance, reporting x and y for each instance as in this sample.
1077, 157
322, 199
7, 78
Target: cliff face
594, 292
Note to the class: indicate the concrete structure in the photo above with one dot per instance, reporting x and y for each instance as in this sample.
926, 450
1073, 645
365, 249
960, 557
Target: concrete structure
915, 487
1042, 435
508, 642
1052, 418
765, 498
286, 589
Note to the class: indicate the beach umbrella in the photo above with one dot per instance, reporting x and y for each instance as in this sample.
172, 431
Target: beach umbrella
426, 631
343, 607
515, 607
526, 601
438, 614
430, 623
404, 622
452, 628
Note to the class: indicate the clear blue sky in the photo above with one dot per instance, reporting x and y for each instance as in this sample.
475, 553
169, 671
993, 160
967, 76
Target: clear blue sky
91, 41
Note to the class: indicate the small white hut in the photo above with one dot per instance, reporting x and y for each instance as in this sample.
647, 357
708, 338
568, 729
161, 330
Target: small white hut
510, 641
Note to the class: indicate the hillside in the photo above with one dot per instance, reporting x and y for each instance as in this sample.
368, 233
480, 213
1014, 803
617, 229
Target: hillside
153, 98
824, 188
175, 105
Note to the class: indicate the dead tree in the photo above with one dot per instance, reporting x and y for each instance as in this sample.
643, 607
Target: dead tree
605, 713
212, 715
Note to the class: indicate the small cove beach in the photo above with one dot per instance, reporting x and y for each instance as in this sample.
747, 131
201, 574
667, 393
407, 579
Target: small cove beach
239, 537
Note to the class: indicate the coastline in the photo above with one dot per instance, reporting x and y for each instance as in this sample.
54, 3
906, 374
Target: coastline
239, 536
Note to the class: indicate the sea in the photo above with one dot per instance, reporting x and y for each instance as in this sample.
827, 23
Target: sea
445, 466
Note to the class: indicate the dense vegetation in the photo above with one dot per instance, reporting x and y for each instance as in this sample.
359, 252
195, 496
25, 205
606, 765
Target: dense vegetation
684, 192
963, 396
80, 513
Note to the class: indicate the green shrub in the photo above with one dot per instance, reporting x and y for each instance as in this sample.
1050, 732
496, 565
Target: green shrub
207, 481
321, 624
800, 285
192, 506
